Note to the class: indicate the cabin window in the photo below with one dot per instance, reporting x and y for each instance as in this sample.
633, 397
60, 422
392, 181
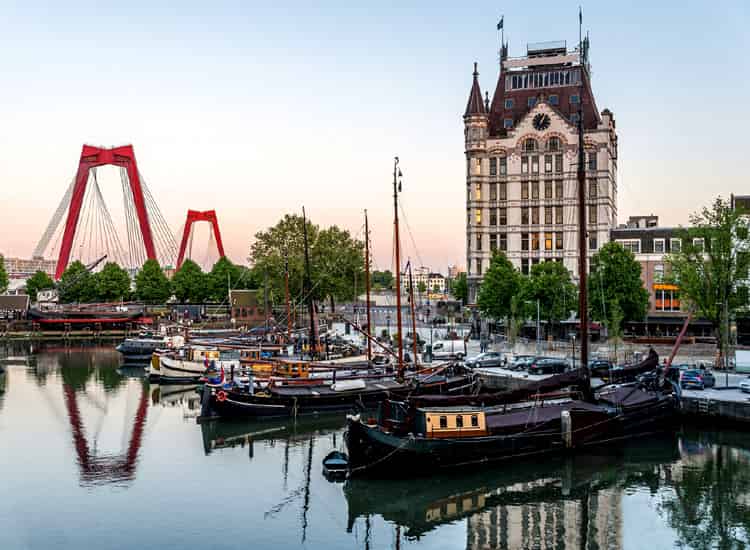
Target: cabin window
459, 421
443, 421
474, 420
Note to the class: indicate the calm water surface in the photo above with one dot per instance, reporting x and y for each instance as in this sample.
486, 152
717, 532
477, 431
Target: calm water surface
92, 456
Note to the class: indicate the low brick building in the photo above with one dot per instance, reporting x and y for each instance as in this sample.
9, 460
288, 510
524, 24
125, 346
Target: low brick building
247, 307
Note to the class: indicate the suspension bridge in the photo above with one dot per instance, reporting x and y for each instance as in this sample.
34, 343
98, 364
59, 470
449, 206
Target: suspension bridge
82, 226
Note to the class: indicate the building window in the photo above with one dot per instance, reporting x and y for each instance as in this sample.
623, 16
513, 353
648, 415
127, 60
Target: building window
525, 266
535, 241
558, 240
575, 98
592, 213
525, 190
493, 242
592, 160
493, 166
592, 189
547, 189
593, 244
479, 266
478, 216
554, 99
443, 421
493, 216
558, 214
547, 164
508, 123
524, 165
659, 246
535, 164
503, 217
675, 245
558, 164
535, 215
558, 189
667, 300
508, 103
531, 101
503, 241
535, 190
503, 166
548, 241
477, 167
530, 145
525, 215
548, 215
503, 191
474, 421
479, 242
493, 192
633, 245
459, 421
698, 244
553, 144
524, 241
658, 273
574, 118
478, 192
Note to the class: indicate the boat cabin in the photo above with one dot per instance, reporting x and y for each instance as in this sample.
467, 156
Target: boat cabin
439, 423
292, 368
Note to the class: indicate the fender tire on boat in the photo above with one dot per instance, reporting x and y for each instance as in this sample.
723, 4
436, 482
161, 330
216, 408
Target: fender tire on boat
221, 395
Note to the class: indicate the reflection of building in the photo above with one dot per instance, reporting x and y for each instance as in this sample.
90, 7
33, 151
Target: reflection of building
558, 524
521, 162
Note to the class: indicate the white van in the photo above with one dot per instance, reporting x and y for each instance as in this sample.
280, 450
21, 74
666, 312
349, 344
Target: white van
449, 349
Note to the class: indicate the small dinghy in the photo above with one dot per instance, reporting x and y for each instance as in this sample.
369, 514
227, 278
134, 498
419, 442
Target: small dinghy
335, 465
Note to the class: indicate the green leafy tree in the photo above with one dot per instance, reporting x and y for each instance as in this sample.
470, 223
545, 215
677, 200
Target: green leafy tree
615, 278
382, 280
38, 281
223, 276
615, 331
338, 265
76, 284
112, 283
460, 288
501, 282
550, 284
421, 287
151, 284
4, 281
709, 265
189, 284
435, 289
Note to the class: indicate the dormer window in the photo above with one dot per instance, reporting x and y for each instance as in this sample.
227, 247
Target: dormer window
531, 101
508, 103
553, 144
554, 99
574, 118
508, 123
530, 145
575, 98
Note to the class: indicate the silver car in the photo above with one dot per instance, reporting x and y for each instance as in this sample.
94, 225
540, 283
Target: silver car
486, 359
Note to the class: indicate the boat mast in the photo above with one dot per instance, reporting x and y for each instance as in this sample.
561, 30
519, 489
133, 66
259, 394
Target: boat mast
582, 244
367, 286
413, 316
288, 307
308, 290
396, 189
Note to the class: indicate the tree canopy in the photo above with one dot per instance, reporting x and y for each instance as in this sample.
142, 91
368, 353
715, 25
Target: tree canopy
460, 288
501, 282
76, 284
615, 287
550, 284
223, 276
151, 284
112, 283
382, 280
38, 281
189, 283
4, 281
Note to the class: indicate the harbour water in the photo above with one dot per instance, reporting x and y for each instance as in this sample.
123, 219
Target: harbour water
93, 456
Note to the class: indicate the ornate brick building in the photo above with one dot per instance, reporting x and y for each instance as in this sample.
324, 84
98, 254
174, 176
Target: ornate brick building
521, 162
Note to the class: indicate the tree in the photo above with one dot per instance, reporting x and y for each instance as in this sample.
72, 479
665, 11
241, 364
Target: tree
709, 265
338, 265
382, 280
38, 281
615, 277
112, 283
151, 285
421, 287
3, 275
189, 283
460, 288
501, 282
223, 276
550, 284
436, 289
76, 284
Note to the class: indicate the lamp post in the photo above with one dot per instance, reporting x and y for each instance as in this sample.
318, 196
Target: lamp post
537, 322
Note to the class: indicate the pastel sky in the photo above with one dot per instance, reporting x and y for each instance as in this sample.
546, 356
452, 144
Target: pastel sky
255, 109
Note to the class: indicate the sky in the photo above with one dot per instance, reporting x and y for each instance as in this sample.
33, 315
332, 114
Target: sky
256, 109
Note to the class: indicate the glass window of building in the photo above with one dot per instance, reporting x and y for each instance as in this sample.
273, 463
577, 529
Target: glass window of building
508, 123
592, 242
493, 166
493, 242
478, 192
558, 164
553, 144
525, 266
554, 99
478, 216
509, 103
535, 164
502, 191
548, 215
479, 266
525, 215
503, 217
558, 214
659, 246
503, 241
524, 241
479, 242
592, 189
592, 160
592, 213
558, 240
535, 241
558, 189
547, 164
547, 189
493, 192
530, 145
531, 101
658, 273
534, 190
698, 244
675, 245
548, 241
524, 165
525, 190
503, 166
575, 98
535, 215
493, 216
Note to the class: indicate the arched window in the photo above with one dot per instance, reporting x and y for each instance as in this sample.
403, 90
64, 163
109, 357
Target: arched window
530, 145
553, 144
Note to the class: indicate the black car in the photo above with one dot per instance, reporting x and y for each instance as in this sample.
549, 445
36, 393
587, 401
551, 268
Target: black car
548, 366
522, 362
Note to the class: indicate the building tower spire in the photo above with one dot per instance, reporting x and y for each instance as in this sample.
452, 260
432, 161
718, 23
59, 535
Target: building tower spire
475, 106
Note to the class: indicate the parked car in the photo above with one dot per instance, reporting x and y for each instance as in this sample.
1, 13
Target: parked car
522, 362
709, 380
691, 379
486, 359
542, 365
745, 385
448, 349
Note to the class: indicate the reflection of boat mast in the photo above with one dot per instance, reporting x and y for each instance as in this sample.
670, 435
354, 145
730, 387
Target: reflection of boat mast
285, 466
306, 500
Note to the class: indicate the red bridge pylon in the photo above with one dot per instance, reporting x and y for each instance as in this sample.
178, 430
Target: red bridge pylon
196, 216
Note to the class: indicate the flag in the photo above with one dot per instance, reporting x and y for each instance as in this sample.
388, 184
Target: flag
500, 23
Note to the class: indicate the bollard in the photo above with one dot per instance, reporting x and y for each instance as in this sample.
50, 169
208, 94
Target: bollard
566, 427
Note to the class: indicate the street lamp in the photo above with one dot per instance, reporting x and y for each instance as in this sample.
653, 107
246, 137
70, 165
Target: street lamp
537, 322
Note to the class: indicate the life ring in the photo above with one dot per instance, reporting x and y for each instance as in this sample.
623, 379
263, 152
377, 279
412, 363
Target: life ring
221, 395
